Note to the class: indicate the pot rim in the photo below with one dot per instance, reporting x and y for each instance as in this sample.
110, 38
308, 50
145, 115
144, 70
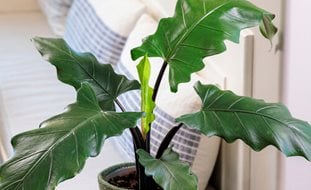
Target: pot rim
111, 169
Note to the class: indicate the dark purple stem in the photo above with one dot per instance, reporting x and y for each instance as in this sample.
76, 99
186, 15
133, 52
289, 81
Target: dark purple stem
139, 143
154, 97
167, 140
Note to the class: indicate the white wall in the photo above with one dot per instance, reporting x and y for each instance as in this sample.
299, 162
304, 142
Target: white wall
297, 84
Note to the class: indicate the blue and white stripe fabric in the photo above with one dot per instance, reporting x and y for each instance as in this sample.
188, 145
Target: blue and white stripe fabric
86, 32
186, 141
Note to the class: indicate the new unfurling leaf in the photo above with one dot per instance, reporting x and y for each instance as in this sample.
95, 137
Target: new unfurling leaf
147, 104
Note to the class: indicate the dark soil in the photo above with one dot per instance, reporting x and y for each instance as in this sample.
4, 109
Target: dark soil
127, 181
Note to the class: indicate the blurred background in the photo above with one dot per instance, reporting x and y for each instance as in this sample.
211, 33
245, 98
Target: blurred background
279, 72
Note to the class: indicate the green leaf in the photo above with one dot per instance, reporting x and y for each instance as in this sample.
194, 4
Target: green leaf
257, 123
147, 104
267, 29
168, 171
47, 156
73, 68
198, 30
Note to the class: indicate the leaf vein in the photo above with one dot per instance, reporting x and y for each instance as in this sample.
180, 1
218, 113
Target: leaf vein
243, 126
266, 107
215, 100
197, 47
54, 145
183, 15
249, 112
76, 148
235, 102
85, 70
214, 29
190, 30
50, 169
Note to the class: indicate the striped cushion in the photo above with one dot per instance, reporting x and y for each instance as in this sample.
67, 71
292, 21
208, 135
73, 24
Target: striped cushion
87, 30
56, 12
191, 146
186, 140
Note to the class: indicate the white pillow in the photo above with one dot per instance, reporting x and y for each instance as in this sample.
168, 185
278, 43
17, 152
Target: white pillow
56, 12
101, 26
200, 151
119, 15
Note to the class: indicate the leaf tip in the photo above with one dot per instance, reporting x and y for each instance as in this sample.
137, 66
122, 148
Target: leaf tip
137, 53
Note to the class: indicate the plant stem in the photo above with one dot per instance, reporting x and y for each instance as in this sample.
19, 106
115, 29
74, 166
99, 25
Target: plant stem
120, 105
144, 181
135, 132
139, 143
158, 81
167, 140
140, 173
154, 97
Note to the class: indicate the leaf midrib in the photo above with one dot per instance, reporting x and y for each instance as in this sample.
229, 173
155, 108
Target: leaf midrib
40, 158
190, 30
71, 56
247, 112
263, 115
168, 169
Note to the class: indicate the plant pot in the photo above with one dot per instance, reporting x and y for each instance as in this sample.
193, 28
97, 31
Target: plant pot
113, 171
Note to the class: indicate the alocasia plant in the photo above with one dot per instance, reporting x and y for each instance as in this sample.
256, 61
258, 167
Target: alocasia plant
57, 151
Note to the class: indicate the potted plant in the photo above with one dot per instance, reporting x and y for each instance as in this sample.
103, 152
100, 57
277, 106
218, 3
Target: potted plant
58, 150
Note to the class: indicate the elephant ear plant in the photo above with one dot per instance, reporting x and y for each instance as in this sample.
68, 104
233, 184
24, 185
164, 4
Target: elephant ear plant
57, 150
